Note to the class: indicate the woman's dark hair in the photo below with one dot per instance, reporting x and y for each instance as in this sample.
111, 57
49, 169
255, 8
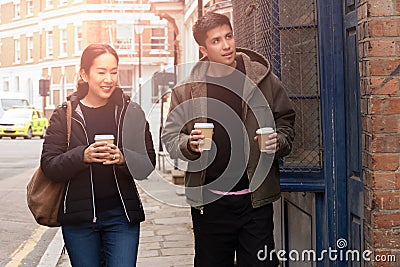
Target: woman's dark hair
208, 22
88, 56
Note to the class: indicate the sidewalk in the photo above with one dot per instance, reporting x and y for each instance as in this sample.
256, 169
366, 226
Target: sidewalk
166, 238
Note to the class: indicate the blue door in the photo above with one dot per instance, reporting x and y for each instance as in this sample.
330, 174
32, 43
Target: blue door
355, 199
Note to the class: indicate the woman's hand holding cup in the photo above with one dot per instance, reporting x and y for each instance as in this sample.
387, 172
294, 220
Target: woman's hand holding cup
103, 151
97, 152
116, 156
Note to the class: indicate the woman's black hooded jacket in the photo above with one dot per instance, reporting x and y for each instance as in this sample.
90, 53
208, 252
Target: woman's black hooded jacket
65, 164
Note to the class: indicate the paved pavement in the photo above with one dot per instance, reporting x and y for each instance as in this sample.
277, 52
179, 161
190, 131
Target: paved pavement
166, 238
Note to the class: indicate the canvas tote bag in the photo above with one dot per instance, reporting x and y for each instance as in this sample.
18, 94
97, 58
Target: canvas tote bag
43, 194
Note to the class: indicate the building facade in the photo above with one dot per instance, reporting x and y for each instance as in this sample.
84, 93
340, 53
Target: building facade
44, 39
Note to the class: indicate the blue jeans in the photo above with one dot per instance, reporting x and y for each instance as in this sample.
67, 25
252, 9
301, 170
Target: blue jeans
112, 235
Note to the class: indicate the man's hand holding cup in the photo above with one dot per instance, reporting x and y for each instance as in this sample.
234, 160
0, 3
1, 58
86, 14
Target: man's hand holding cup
194, 140
200, 138
267, 140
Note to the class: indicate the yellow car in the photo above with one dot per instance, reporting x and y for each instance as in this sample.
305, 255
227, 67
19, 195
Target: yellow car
24, 122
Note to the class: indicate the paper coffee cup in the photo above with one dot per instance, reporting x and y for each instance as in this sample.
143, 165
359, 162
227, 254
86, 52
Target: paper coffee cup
207, 129
262, 136
109, 138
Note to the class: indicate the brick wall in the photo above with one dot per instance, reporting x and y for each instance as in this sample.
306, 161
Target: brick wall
379, 50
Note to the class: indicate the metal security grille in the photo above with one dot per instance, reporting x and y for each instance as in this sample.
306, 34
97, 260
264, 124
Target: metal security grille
285, 32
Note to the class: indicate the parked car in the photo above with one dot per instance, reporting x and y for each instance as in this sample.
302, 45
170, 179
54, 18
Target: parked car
24, 122
9, 100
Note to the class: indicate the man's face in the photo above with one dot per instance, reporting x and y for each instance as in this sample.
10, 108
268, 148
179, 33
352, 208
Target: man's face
220, 46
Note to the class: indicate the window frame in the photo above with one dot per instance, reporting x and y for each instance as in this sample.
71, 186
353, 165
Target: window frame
163, 47
49, 43
29, 7
17, 50
78, 33
63, 42
17, 9
29, 48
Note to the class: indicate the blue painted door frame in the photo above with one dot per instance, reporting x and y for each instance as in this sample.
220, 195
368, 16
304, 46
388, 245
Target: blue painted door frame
331, 226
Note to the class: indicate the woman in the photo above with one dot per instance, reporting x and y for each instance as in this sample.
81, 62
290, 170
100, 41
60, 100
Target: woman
101, 209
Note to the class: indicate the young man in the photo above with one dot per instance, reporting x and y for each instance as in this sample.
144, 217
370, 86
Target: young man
232, 186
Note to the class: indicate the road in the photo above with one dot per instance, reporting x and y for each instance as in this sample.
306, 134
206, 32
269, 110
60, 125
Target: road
22, 241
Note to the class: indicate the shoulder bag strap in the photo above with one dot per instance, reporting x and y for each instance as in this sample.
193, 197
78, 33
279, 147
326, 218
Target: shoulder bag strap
69, 119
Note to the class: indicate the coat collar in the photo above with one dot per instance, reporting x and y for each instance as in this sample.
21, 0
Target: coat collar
256, 66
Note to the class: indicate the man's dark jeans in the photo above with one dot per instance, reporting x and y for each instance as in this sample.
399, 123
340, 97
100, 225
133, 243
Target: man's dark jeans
231, 225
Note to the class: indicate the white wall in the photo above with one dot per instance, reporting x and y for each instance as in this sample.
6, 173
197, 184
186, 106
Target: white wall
27, 75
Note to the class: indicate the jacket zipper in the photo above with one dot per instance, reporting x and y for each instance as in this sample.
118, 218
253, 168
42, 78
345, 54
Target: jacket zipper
65, 197
69, 181
115, 175
91, 178
203, 172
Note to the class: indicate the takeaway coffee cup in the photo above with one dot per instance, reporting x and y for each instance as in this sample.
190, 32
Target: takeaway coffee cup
262, 136
109, 138
207, 129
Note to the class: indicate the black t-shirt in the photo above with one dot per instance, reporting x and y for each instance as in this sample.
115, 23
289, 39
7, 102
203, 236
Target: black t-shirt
101, 121
229, 91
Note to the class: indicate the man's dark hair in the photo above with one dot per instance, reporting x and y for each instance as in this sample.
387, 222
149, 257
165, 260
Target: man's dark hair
208, 22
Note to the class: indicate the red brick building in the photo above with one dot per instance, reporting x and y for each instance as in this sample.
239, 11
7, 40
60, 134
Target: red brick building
379, 52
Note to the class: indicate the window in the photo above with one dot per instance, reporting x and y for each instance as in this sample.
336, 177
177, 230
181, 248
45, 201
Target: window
49, 43
17, 51
63, 42
6, 85
78, 39
16, 83
29, 7
159, 38
29, 86
49, 4
124, 40
17, 9
29, 45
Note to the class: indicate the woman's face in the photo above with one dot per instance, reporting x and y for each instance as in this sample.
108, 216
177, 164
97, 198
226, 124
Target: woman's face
102, 77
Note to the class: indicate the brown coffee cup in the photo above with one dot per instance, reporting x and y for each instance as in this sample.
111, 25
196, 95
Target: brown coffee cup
109, 138
207, 129
262, 136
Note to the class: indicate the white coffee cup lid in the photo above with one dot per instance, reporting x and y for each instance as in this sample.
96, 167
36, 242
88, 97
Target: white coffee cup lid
265, 130
103, 137
204, 125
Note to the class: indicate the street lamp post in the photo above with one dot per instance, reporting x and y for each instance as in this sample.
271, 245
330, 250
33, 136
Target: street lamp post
139, 28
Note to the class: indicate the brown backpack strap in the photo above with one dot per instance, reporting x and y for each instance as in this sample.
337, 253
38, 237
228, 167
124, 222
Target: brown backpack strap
69, 119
